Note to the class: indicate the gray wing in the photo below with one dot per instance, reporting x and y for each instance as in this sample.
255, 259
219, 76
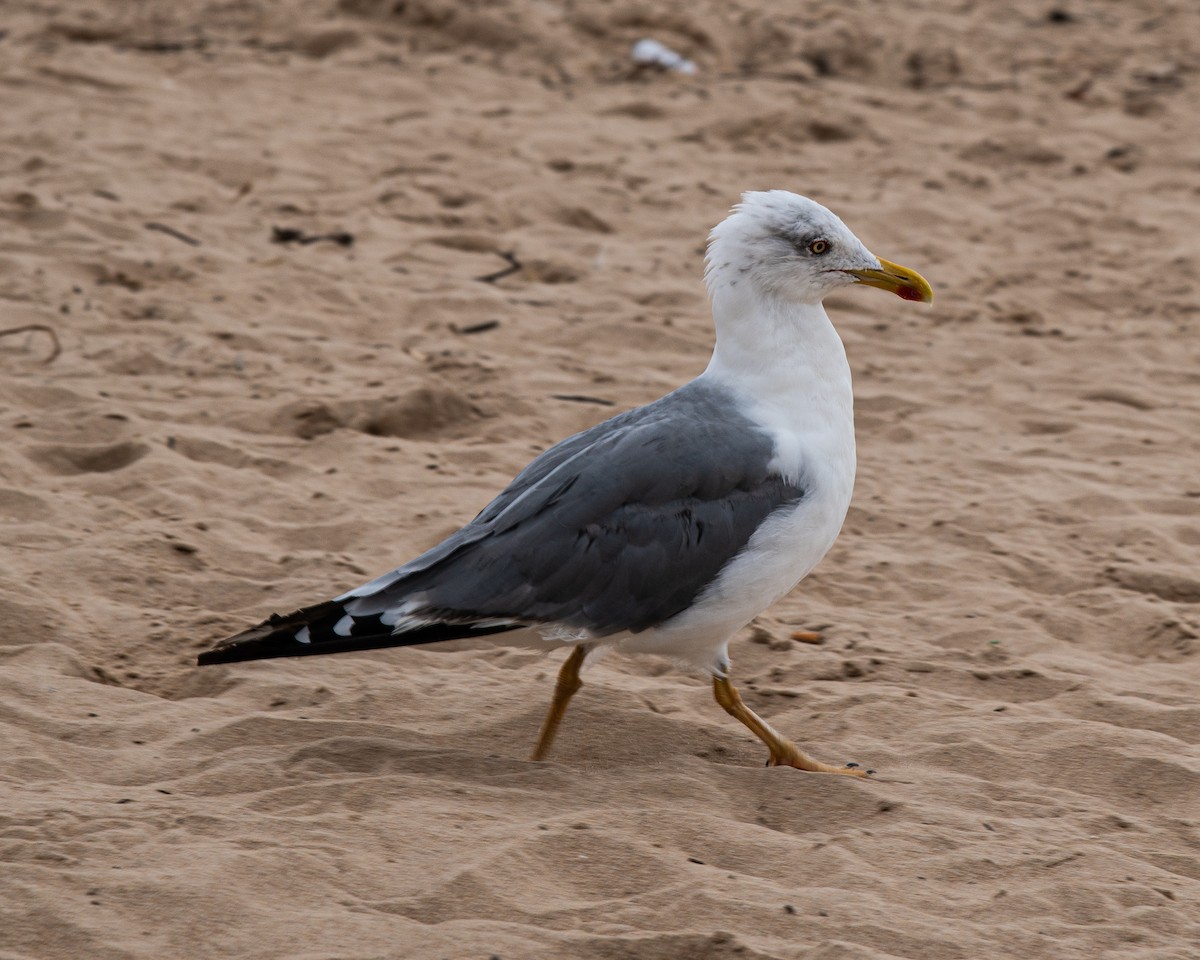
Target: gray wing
617, 528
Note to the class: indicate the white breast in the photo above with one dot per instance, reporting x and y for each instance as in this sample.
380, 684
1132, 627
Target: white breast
803, 398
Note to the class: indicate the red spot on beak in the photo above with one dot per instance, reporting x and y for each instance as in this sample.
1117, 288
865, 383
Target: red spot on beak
909, 293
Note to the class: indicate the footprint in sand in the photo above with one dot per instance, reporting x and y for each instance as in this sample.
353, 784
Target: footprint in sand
71, 460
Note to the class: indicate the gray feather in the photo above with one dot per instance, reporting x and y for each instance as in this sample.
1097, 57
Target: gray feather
618, 528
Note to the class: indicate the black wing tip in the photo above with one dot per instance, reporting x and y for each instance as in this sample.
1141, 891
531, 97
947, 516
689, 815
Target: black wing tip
254, 647
272, 648
274, 637
220, 655
277, 636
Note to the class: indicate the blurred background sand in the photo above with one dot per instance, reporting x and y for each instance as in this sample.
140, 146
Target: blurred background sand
237, 425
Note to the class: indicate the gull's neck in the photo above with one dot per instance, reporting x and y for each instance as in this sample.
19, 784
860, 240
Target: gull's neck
786, 365
779, 353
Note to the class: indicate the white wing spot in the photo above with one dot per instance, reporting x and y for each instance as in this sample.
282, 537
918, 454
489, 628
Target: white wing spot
303, 636
343, 627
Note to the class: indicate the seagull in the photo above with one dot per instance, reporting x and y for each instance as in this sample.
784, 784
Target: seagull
669, 527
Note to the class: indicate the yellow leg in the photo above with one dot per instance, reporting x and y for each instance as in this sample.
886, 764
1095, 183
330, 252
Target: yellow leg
784, 753
565, 688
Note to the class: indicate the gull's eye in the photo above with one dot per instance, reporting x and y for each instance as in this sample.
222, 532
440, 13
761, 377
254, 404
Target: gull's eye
818, 246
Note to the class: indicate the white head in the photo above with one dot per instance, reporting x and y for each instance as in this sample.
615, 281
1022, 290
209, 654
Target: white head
790, 248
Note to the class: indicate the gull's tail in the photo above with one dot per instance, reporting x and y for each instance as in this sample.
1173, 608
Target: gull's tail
328, 628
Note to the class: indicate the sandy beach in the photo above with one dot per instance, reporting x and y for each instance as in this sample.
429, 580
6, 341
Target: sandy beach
307, 282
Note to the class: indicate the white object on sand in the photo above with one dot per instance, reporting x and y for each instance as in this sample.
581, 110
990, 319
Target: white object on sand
651, 53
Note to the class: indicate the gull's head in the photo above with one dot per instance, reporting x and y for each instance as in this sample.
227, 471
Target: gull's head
791, 248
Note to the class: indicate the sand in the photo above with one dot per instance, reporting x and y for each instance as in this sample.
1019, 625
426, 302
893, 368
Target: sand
237, 425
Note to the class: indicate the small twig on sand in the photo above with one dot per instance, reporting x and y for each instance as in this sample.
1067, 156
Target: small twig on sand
172, 232
513, 266
482, 327
583, 398
33, 328
292, 235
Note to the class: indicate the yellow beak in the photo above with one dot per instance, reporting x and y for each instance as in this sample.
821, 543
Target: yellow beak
904, 283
